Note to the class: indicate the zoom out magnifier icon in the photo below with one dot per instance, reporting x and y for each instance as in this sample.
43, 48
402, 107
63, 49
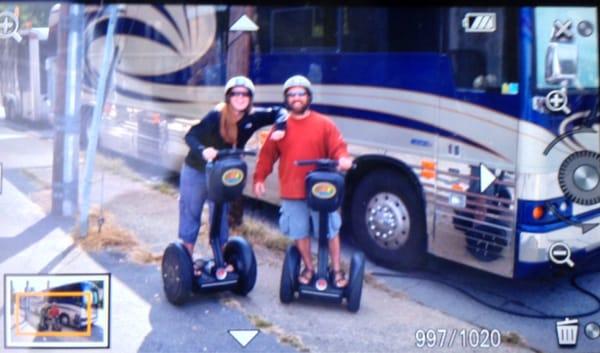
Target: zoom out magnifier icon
560, 254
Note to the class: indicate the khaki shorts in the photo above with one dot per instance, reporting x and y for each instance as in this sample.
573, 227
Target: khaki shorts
295, 220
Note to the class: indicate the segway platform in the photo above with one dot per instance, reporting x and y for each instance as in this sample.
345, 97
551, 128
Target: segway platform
329, 293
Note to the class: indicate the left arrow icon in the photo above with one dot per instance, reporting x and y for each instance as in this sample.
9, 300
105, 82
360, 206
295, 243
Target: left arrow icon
486, 177
243, 337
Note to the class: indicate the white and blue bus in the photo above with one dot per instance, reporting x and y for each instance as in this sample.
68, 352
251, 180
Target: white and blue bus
73, 309
475, 129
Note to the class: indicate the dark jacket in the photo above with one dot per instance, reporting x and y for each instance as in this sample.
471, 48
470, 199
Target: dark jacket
206, 133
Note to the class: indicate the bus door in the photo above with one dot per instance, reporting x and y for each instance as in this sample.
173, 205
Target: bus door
477, 143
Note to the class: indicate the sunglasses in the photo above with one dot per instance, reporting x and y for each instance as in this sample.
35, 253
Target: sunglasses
295, 94
239, 94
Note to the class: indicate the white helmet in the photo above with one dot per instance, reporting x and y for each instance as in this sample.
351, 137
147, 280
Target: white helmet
297, 81
242, 81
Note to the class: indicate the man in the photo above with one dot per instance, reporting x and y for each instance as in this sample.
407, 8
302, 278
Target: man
309, 135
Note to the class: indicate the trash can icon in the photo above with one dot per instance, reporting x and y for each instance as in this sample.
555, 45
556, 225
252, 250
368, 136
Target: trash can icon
566, 332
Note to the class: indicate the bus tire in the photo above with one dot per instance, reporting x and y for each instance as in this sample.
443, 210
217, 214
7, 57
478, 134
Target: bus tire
388, 220
64, 319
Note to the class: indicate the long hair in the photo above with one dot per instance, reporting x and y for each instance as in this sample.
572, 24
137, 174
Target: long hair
227, 123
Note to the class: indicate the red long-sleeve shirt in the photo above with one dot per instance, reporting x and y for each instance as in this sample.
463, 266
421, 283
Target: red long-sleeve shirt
315, 136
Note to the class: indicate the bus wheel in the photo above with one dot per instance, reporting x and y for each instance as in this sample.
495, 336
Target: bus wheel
388, 219
64, 319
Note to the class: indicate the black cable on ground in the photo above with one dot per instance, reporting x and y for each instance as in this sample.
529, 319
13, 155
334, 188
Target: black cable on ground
573, 281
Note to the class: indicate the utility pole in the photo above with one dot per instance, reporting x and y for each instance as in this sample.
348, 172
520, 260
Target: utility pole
108, 61
69, 64
239, 40
239, 49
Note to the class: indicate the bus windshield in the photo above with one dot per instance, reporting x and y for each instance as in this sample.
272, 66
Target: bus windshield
566, 47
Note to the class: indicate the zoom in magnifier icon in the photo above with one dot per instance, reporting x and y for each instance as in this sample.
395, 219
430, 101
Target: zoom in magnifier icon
560, 254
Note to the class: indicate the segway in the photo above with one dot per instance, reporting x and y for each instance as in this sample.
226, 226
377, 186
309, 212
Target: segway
226, 180
325, 191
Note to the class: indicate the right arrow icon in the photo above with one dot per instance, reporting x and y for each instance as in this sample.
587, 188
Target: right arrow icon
486, 177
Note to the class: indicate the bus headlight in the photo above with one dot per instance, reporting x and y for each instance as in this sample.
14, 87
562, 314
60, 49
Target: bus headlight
457, 200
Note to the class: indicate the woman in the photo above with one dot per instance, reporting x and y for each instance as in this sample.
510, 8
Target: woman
229, 125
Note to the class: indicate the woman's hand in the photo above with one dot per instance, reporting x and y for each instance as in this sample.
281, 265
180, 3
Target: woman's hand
209, 153
277, 135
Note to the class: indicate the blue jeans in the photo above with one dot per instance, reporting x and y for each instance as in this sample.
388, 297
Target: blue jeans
193, 193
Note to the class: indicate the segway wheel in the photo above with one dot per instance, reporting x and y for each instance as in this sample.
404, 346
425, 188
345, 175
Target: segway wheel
177, 273
289, 274
354, 288
238, 252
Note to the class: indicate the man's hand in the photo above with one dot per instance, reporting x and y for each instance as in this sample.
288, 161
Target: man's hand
259, 189
345, 163
209, 153
277, 135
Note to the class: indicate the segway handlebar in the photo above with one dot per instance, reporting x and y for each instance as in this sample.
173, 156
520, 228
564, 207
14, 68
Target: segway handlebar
322, 163
234, 152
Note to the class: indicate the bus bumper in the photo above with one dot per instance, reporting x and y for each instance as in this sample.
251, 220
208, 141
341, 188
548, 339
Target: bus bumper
534, 247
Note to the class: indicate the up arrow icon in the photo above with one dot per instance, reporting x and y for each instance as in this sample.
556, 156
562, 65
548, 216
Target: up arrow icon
244, 24
243, 337
486, 177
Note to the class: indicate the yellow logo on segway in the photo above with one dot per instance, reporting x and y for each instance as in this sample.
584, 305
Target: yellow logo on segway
324, 190
233, 177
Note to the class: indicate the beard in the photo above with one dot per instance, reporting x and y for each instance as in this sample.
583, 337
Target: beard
298, 109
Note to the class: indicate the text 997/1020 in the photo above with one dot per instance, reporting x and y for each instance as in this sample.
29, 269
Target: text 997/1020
465, 338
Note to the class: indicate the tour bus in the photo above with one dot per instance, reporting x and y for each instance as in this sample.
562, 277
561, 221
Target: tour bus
475, 130
73, 308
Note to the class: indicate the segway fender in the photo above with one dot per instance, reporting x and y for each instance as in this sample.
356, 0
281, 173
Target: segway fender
354, 287
289, 274
239, 253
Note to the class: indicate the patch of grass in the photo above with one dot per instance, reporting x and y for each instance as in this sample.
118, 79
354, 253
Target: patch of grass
266, 326
279, 244
165, 188
294, 342
259, 322
111, 236
512, 338
259, 232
